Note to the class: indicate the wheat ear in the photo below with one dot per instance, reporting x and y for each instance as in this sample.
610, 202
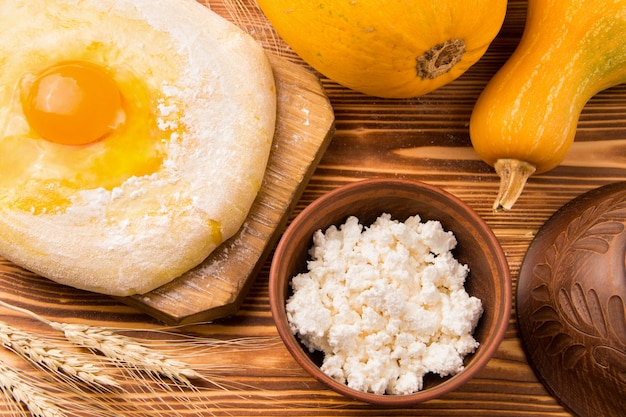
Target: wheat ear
127, 350
38, 403
119, 348
37, 350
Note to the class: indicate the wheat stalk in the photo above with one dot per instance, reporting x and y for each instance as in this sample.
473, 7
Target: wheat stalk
126, 350
22, 391
146, 364
119, 348
38, 351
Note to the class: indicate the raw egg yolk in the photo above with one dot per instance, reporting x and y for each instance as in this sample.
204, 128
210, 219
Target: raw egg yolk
72, 103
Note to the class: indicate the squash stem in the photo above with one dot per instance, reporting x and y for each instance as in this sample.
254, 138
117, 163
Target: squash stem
513, 176
440, 59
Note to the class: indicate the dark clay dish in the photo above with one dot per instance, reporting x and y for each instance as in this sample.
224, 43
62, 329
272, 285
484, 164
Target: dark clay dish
571, 303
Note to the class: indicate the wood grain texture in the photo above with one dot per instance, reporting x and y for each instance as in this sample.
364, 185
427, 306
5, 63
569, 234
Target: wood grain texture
425, 139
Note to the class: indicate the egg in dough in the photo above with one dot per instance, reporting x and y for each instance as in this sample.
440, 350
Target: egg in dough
134, 137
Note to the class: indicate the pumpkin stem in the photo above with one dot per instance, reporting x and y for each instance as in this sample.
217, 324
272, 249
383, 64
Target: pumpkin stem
440, 59
513, 176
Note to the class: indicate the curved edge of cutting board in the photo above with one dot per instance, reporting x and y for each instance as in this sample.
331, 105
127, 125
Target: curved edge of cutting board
216, 288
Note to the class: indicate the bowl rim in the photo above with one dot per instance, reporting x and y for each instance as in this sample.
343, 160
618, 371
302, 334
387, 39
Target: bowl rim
453, 382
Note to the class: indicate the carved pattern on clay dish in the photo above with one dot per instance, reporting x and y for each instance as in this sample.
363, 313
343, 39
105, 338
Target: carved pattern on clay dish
571, 302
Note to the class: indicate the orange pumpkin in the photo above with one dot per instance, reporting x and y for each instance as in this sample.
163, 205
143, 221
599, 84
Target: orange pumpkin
387, 48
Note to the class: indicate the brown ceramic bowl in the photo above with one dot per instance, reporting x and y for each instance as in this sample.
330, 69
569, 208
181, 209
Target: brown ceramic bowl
489, 277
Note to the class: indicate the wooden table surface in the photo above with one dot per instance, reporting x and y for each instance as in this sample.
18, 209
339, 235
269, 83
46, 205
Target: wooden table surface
424, 139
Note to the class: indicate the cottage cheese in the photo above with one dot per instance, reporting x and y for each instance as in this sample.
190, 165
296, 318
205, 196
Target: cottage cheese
386, 304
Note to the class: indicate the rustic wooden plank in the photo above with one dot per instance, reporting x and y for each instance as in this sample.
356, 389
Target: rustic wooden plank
424, 139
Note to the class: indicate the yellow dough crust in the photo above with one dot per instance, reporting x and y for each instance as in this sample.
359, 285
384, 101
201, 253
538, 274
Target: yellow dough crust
216, 114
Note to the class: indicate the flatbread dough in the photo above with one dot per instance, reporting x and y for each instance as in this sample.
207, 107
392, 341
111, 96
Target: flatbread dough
213, 107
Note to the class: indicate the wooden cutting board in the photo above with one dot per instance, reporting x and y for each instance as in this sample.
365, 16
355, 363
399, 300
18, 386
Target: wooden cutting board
215, 289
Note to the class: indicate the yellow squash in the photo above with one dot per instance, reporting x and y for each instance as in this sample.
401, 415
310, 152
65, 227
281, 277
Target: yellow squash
525, 120
388, 48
